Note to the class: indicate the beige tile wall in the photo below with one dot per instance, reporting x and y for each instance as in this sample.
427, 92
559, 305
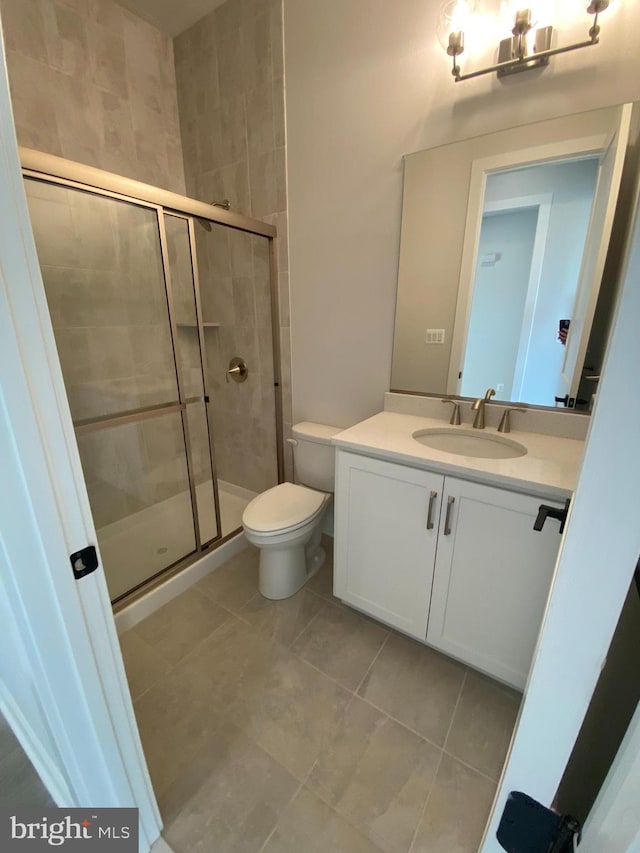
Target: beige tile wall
93, 83
235, 292
230, 79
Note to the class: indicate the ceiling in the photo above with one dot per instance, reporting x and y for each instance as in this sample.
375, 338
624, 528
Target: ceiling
171, 16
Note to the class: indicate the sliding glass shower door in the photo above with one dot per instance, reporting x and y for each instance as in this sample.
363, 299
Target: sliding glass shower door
238, 310
133, 374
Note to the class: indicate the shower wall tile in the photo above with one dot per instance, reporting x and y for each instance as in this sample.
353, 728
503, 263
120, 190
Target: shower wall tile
283, 299
67, 39
24, 25
230, 82
84, 74
33, 90
277, 96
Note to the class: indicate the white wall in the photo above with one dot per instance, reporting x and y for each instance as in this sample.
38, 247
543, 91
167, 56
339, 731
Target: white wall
367, 82
499, 295
572, 186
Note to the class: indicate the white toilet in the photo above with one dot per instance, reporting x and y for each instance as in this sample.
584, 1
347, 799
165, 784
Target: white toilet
285, 522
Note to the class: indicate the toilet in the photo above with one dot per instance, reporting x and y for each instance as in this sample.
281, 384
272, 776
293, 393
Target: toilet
285, 522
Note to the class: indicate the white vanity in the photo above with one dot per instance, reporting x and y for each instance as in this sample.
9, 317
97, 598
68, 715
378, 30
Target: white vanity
441, 546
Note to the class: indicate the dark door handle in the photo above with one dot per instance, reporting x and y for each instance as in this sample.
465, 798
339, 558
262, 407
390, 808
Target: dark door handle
545, 511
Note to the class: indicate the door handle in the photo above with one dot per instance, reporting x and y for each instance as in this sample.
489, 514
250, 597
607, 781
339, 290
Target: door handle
432, 502
447, 519
545, 511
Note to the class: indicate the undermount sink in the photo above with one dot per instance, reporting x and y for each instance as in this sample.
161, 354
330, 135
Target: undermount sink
466, 442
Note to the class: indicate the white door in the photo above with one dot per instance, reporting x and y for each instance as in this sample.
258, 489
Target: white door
77, 726
492, 578
595, 254
598, 555
385, 546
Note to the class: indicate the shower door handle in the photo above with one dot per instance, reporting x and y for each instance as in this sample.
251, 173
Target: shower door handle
238, 370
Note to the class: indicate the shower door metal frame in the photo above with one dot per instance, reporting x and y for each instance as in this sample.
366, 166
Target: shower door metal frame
51, 169
206, 398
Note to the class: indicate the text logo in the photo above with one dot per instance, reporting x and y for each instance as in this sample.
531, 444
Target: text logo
72, 830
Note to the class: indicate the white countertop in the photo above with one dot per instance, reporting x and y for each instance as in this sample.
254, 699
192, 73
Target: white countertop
549, 468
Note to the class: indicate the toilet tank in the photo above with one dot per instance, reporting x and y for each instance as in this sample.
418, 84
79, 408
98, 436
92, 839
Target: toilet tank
314, 455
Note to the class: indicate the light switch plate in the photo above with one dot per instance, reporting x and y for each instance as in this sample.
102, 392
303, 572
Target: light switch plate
434, 336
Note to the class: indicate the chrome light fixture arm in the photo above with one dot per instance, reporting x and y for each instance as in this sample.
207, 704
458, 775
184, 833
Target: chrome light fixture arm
516, 48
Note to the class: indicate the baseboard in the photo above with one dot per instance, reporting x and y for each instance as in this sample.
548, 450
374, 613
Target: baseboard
153, 600
49, 774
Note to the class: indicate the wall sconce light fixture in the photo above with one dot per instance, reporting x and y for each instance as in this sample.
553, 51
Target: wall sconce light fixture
527, 48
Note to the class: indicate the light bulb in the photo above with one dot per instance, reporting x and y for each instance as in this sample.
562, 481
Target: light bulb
455, 16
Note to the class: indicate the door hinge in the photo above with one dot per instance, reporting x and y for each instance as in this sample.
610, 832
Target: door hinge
84, 562
527, 826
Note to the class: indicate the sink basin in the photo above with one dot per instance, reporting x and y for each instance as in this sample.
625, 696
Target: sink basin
466, 442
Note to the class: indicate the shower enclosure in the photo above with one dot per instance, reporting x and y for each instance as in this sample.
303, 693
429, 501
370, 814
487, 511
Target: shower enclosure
151, 296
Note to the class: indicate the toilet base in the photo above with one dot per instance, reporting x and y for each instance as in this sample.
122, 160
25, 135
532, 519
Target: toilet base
283, 571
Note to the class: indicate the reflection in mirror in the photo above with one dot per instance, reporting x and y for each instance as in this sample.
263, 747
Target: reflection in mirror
532, 239
504, 241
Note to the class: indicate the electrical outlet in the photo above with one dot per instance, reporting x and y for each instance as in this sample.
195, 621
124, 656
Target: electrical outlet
434, 336
499, 387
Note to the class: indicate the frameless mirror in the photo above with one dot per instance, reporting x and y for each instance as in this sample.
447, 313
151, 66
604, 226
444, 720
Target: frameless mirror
503, 248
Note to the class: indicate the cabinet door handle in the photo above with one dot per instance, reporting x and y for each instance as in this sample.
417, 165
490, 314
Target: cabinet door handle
432, 503
447, 519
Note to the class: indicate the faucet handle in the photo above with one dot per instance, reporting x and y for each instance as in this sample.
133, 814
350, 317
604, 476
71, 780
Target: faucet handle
455, 414
505, 421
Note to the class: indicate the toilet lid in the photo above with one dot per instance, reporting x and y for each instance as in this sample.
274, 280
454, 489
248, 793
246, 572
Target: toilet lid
282, 507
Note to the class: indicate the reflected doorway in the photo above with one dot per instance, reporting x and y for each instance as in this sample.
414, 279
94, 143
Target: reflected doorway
526, 284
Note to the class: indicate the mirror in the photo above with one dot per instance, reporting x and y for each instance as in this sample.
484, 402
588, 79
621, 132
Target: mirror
503, 248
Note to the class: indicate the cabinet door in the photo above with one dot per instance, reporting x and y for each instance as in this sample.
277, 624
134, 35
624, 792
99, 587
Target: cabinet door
492, 579
384, 549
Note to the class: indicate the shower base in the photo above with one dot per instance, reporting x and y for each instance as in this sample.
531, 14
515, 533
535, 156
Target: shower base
137, 547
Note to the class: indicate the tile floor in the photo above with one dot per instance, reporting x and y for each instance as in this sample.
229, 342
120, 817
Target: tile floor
302, 725
20, 785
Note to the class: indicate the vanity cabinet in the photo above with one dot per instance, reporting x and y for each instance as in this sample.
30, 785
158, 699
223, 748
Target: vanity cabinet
450, 562
386, 529
492, 577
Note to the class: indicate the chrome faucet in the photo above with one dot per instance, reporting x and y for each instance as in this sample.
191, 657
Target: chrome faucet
478, 408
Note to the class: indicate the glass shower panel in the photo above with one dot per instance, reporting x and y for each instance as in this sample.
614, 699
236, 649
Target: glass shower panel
101, 265
189, 351
138, 484
235, 292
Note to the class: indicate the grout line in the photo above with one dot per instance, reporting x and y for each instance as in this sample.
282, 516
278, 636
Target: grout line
464, 681
470, 766
172, 666
370, 667
435, 776
268, 838
320, 672
426, 803
401, 723
300, 633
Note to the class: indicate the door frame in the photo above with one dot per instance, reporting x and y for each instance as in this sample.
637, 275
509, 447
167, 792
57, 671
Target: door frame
594, 570
570, 149
542, 202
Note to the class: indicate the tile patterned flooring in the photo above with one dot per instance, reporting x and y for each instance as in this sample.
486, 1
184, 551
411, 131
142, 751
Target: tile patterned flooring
20, 785
302, 725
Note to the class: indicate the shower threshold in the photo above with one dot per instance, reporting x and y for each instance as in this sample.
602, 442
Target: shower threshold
142, 545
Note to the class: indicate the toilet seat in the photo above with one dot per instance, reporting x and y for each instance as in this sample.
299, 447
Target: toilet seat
283, 508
